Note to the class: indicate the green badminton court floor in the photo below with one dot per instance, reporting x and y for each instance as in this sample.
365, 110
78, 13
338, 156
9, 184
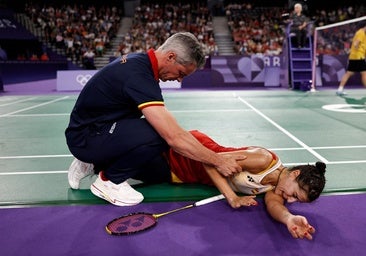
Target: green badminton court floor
301, 127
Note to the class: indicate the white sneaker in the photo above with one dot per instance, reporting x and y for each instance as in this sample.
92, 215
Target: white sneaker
121, 195
79, 170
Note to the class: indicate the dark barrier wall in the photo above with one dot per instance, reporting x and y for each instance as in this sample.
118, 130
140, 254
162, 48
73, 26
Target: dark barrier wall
20, 72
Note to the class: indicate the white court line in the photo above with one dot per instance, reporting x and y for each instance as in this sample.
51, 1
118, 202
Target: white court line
32, 173
341, 147
321, 158
349, 162
209, 110
17, 101
34, 156
35, 106
173, 111
324, 147
39, 115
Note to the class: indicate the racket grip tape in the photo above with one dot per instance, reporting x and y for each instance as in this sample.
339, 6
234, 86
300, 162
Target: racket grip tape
209, 200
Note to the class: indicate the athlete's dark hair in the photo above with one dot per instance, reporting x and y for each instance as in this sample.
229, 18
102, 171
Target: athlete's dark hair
311, 179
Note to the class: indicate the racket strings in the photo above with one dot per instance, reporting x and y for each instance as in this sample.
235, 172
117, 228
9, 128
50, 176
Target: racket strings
131, 223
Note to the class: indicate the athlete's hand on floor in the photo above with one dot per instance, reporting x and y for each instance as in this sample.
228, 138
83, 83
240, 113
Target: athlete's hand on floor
239, 201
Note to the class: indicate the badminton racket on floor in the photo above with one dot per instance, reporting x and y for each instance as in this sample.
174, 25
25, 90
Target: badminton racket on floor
141, 221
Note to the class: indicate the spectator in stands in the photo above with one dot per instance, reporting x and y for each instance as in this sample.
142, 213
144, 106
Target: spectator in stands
88, 59
252, 27
153, 24
119, 50
66, 23
34, 57
99, 45
106, 132
249, 23
60, 43
21, 57
356, 58
77, 51
44, 57
299, 26
69, 46
240, 48
212, 47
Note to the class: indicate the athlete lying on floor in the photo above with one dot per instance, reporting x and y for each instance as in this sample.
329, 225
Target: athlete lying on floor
262, 172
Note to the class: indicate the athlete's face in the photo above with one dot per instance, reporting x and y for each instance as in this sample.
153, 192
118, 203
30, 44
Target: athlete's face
288, 188
171, 70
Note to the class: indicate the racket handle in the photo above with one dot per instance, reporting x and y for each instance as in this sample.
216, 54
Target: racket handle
209, 200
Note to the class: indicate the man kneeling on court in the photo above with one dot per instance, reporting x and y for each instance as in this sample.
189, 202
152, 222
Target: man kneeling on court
120, 122
262, 172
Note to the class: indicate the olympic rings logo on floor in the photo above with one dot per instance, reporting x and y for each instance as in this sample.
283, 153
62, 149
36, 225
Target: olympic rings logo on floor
83, 79
349, 108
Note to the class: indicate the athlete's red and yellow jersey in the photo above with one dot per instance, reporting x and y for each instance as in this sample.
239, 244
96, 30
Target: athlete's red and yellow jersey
185, 170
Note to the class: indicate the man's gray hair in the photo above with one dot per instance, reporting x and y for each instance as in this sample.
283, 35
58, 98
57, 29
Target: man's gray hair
298, 5
187, 48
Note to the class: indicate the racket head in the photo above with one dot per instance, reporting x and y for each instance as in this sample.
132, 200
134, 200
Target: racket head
131, 223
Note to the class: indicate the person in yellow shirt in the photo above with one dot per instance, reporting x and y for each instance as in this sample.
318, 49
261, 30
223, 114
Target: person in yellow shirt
356, 59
